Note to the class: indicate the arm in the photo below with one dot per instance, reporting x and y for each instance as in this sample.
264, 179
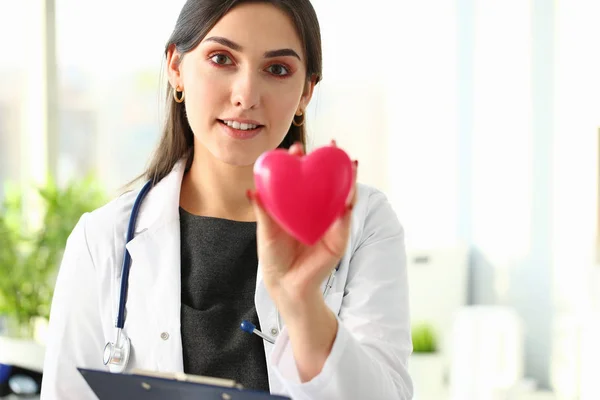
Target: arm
75, 335
372, 342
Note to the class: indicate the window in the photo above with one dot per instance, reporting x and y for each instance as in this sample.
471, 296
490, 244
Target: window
15, 77
110, 65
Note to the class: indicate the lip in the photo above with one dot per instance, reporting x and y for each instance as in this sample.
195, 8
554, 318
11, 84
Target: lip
239, 134
242, 121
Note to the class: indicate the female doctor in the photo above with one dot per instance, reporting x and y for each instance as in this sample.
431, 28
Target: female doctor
205, 255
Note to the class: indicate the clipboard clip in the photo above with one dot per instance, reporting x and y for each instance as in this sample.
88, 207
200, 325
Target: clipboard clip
183, 377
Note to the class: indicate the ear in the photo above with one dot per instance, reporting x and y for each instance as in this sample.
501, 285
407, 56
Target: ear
309, 88
174, 59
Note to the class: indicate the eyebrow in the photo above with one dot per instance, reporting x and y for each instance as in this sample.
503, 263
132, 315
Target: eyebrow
268, 54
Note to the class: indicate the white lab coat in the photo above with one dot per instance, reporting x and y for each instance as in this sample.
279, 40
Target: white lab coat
369, 355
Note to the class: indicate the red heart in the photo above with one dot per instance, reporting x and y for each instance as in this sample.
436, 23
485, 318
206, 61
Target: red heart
304, 194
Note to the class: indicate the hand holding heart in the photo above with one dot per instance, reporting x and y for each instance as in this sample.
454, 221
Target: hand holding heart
303, 206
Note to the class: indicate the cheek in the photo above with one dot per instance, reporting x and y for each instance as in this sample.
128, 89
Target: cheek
204, 97
282, 104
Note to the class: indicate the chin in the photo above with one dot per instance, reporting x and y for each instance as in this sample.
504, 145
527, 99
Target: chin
239, 156
236, 152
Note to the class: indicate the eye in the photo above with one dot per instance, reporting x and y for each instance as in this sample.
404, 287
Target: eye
278, 70
221, 59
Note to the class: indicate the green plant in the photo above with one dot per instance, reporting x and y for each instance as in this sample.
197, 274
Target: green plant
424, 339
29, 258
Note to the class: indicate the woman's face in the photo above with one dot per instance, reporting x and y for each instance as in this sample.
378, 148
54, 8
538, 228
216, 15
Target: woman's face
243, 83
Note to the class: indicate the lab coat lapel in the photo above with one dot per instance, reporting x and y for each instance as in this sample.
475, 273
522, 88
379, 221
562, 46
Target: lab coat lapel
156, 267
266, 310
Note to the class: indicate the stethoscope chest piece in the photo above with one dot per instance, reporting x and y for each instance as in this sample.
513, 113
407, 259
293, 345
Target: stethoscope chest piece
116, 355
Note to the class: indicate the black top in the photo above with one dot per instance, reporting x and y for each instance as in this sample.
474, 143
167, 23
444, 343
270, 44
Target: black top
218, 281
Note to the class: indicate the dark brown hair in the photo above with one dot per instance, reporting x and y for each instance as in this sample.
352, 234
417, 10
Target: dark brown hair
196, 19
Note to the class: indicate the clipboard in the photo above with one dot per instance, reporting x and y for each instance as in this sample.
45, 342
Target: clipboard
148, 385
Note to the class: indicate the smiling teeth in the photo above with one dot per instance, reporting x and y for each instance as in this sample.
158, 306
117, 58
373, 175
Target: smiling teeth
242, 127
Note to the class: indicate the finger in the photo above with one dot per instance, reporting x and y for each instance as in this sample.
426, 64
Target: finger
333, 143
267, 227
296, 149
352, 195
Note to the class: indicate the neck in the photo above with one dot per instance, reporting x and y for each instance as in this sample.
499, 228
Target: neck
215, 189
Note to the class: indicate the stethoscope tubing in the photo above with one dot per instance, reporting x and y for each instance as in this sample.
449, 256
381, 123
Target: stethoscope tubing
127, 258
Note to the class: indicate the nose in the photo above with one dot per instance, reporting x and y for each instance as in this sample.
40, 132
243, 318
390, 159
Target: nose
245, 92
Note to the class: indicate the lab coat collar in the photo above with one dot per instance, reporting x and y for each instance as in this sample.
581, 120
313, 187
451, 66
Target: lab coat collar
162, 202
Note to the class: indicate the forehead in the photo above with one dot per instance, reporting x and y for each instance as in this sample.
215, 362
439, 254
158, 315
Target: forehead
258, 26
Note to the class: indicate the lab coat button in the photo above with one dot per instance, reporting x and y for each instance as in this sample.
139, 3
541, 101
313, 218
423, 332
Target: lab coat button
274, 331
164, 336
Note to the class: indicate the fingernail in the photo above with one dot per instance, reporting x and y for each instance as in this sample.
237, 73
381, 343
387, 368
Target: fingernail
355, 162
250, 195
349, 208
333, 143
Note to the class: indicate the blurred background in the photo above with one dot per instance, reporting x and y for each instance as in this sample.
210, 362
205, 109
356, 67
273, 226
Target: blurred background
479, 119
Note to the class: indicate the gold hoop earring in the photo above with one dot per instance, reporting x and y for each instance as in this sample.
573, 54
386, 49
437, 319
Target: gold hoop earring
301, 122
180, 99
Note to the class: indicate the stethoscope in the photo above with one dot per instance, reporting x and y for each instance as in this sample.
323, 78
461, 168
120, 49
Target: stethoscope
116, 354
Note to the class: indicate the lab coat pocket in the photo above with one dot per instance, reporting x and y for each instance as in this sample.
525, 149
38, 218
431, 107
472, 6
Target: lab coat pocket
334, 301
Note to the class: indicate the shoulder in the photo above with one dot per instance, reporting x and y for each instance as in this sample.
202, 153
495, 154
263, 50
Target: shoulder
113, 214
374, 217
369, 197
106, 227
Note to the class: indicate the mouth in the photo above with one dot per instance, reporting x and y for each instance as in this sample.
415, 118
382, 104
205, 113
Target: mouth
241, 130
241, 126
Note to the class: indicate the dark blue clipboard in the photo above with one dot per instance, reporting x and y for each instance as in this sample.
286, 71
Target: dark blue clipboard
111, 386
